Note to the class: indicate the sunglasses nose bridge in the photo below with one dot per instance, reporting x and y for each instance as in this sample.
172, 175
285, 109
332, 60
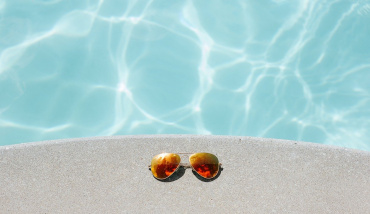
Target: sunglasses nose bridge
185, 165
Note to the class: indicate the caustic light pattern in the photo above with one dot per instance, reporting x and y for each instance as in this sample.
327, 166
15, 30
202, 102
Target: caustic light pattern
297, 70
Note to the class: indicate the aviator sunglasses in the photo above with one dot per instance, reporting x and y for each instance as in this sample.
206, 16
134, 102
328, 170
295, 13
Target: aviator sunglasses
204, 164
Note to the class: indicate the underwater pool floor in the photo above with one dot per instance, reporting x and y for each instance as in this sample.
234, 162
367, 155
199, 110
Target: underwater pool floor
272, 68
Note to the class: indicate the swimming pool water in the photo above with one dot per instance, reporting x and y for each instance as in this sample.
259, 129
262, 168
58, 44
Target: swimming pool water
297, 70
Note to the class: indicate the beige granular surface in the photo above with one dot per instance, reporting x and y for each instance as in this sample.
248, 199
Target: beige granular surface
110, 175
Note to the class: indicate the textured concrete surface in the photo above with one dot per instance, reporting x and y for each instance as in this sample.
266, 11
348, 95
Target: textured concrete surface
110, 175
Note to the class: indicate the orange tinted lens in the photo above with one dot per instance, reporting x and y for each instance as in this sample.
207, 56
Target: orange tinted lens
164, 165
205, 164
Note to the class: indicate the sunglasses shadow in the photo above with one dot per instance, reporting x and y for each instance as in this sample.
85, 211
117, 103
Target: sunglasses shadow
181, 171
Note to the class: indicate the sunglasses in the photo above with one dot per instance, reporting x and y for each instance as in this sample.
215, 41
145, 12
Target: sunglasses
165, 164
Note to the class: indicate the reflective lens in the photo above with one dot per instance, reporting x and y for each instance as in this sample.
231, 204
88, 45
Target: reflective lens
164, 165
205, 164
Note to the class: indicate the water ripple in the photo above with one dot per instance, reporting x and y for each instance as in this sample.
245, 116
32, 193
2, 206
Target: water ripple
272, 68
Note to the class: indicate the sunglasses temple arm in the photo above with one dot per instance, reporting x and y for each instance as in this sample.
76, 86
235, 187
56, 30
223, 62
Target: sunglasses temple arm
186, 166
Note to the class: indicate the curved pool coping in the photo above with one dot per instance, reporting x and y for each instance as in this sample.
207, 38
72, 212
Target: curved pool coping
110, 175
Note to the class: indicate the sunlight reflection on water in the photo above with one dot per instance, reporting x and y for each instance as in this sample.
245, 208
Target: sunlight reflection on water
298, 71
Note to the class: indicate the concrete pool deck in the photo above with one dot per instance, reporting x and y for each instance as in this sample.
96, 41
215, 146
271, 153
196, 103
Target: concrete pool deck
110, 175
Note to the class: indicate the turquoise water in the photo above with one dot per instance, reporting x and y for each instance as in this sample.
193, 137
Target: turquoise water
297, 70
